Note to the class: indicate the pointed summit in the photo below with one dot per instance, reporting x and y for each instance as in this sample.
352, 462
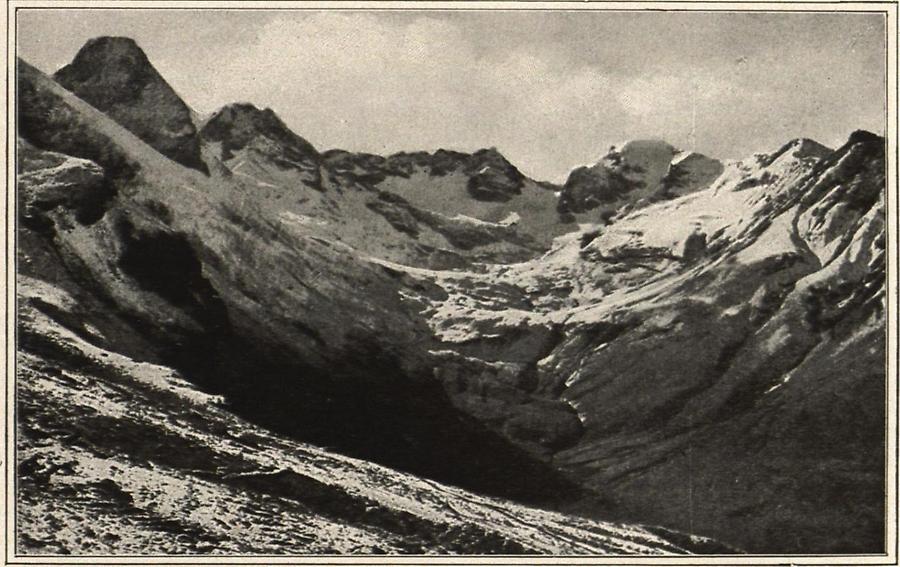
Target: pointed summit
864, 136
237, 125
244, 132
114, 75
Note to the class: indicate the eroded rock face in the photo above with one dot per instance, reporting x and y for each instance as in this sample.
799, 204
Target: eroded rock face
114, 75
50, 180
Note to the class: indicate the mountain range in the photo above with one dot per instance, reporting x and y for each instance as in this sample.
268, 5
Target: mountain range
232, 341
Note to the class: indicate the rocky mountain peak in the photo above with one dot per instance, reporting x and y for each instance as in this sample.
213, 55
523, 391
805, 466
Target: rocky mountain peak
493, 177
645, 148
636, 171
444, 161
805, 147
490, 176
241, 124
114, 75
490, 156
117, 55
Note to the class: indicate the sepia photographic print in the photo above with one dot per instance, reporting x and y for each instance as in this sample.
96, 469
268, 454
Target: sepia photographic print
451, 282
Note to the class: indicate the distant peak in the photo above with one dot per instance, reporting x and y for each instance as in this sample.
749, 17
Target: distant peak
491, 151
238, 123
690, 157
111, 42
240, 108
647, 143
247, 115
639, 151
491, 155
805, 147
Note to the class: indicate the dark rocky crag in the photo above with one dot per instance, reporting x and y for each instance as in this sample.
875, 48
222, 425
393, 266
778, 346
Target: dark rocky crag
114, 75
706, 354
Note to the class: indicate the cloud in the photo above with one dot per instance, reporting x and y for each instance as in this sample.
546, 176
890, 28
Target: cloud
550, 90
381, 84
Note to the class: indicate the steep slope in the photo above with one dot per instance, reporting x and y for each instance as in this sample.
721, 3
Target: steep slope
118, 456
114, 75
303, 333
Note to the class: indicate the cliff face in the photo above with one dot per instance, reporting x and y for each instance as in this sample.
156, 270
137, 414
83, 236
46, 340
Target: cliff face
707, 355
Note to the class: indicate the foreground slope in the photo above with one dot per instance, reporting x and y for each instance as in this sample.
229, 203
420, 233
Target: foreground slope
255, 305
118, 456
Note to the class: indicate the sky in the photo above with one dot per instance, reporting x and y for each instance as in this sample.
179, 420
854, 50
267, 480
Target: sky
551, 90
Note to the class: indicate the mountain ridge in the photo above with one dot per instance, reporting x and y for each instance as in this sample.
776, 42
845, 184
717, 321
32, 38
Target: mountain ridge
382, 308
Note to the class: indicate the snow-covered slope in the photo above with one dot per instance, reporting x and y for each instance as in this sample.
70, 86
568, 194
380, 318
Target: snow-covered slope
723, 350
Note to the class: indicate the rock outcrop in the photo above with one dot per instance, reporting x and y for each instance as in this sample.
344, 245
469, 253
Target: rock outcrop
50, 180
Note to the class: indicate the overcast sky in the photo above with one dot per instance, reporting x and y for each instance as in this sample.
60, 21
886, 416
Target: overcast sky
551, 90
